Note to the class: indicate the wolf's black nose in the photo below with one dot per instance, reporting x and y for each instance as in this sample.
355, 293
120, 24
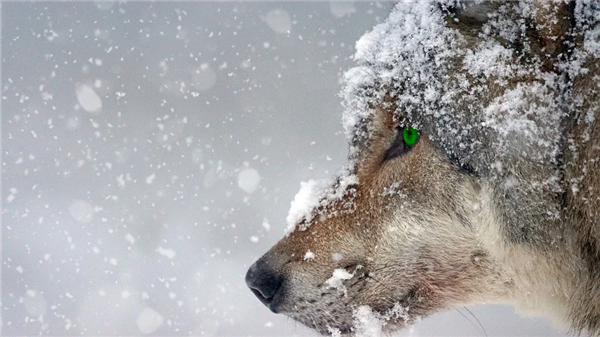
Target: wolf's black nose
264, 282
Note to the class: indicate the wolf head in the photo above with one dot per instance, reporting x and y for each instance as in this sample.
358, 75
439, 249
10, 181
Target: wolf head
398, 240
455, 131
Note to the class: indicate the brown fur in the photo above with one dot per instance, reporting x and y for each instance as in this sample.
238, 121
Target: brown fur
437, 228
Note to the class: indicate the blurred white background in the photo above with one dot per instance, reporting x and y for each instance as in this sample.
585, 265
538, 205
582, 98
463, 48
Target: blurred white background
150, 153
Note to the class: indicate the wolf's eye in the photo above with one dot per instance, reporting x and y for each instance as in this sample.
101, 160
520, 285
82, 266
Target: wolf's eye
410, 135
406, 138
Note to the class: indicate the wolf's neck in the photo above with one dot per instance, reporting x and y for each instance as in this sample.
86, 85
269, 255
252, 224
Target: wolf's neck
545, 278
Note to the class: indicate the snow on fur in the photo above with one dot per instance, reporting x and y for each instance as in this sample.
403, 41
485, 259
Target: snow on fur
415, 57
367, 322
314, 194
457, 92
337, 279
404, 55
371, 323
308, 256
460, 92
441, 88
488, 105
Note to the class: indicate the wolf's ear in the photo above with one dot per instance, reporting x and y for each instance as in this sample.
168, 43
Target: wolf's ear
469, 16
472, 12
547, 22
551, 25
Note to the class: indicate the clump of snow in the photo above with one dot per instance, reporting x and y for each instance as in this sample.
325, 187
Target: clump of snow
309, 256
367, 322
489, 59
11, 197
314, 194
149, 320
279, 21
588, 21
88, 98
266, 225
337, 279
370, 323
417, 59
81, 211
334, 332
309, 196
592, 42
403, 57
248, 180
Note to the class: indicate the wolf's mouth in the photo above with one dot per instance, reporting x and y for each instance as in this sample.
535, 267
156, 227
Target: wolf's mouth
392, 317
327, 329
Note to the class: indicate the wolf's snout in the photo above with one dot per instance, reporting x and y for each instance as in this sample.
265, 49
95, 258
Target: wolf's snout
265, 283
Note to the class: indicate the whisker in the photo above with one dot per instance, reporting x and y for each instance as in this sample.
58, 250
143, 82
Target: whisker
478, 322
470, 321
384, 267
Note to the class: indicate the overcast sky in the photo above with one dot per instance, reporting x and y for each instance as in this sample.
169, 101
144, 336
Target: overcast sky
150, 154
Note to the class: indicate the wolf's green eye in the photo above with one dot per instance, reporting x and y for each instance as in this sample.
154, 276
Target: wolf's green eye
410, 135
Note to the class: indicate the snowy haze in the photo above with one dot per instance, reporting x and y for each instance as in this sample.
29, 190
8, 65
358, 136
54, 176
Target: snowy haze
150, 155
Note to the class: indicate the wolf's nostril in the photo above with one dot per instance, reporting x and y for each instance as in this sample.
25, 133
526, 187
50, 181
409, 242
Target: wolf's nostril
264, 282
266, 290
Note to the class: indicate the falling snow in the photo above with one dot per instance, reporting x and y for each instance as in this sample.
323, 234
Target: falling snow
279, 21
248, 180
88, 98
81, 211
149, 320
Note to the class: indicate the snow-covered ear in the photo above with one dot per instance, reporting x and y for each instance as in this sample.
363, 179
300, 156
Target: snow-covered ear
551, 22
547, 24
472, 11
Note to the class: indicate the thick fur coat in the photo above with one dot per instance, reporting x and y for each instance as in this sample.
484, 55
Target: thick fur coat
498, 200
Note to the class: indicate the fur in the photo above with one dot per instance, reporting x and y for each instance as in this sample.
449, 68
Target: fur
505, 220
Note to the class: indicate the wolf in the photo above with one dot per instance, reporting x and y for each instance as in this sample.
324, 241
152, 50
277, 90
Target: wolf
473, 175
